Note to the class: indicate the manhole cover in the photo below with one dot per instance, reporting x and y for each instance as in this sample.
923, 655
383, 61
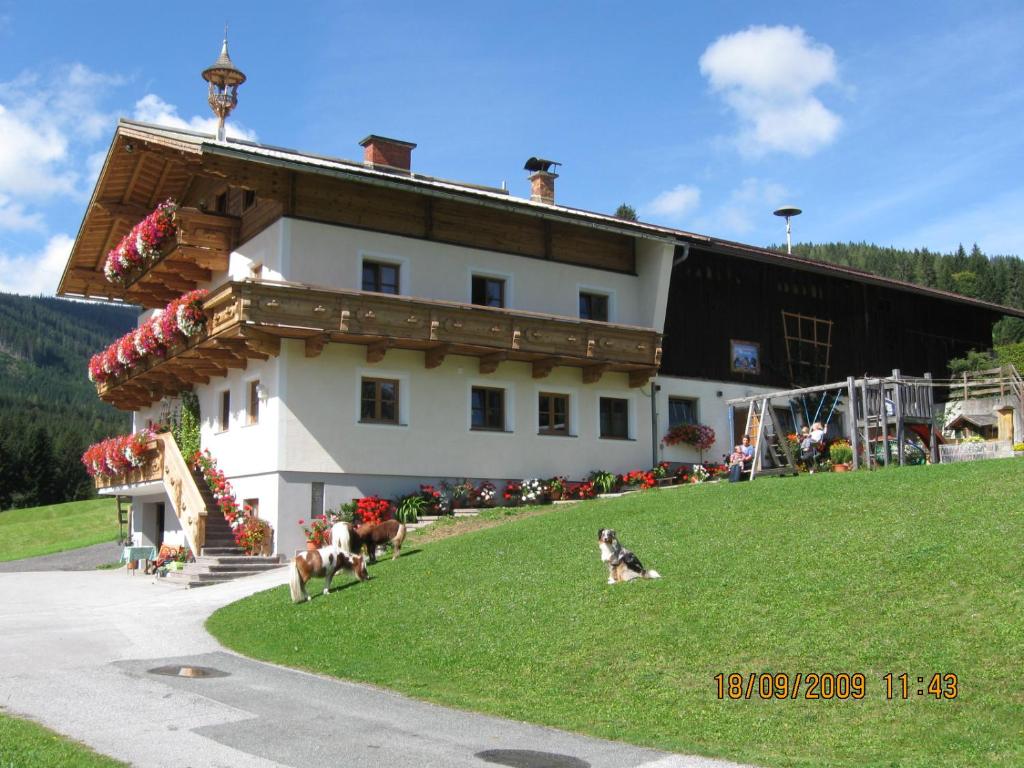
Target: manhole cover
528, 758
179, 671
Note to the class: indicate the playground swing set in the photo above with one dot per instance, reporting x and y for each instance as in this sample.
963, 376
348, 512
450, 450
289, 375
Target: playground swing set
875, 404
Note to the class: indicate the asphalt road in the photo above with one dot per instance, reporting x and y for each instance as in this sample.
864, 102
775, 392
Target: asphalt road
84, 559
77, 650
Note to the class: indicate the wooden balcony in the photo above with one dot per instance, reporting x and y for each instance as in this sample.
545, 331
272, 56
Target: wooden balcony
164, 463
201, 247
248, 320
152, 470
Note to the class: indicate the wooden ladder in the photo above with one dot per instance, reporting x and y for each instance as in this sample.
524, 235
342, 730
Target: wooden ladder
768, 442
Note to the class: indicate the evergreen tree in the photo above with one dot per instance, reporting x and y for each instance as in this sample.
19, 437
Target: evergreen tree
627, 212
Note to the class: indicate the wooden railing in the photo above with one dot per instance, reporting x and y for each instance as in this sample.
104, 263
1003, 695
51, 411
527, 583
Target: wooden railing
247, 320
1004, 381
415, 323
201, 247
164, 462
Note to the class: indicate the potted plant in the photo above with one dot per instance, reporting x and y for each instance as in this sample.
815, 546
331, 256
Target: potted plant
840, 453
558, 488
410, 507
318, 533
661, 474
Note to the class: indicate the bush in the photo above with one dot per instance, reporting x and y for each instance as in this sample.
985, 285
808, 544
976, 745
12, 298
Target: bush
409, 508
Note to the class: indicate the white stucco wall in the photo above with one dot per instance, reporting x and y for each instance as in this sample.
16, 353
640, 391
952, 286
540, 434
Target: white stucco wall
332, 256
321, 431
712, 409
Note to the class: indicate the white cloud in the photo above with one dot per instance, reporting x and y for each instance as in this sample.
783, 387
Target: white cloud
674, 204
44, 120
767, 75
152, 109
14, 217
33, 157
36, 273
748, 206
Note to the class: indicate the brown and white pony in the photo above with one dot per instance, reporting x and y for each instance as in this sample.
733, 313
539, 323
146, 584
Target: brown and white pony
351, 539
323, 562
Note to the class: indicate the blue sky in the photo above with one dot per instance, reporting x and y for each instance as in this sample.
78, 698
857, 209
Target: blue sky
895, 123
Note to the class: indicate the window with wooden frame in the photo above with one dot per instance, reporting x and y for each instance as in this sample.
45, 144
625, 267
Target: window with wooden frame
225, 410
593, 306
488, 409
808, 348
248, 199
614, 418
488, 291
379, 401
682, 410
252, 415
380, 276
553, 414
253, 504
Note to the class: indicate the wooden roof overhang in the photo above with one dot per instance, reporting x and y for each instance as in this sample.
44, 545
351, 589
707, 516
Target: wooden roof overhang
248, 319
141, 170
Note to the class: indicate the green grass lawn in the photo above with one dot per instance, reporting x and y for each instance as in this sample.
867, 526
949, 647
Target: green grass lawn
915, 570
56, 528
23, 744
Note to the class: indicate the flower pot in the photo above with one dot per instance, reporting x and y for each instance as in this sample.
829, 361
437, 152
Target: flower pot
840, 467
310, 546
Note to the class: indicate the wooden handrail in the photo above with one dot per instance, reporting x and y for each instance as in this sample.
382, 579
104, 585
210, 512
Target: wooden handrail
186, 499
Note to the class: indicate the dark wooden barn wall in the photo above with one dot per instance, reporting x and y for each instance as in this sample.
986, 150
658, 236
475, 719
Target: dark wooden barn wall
714, 298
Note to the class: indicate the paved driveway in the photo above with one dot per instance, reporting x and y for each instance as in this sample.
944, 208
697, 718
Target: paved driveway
76, 650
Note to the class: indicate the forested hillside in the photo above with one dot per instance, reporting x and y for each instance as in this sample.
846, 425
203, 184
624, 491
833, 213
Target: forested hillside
998, 279
49, 412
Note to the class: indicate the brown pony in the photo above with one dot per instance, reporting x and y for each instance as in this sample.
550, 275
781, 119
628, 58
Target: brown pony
323, 562
348, 538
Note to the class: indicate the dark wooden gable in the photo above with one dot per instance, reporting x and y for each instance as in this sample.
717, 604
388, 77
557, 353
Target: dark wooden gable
716, 298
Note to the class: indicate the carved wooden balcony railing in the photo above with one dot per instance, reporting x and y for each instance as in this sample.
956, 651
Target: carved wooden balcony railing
201, 246
248, 320
164, 463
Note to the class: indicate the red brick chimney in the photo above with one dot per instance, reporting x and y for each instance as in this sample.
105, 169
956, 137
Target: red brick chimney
390, 153
542, 187
542, 179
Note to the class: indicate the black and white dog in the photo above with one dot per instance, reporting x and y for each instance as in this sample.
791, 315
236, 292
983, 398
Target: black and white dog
623, 565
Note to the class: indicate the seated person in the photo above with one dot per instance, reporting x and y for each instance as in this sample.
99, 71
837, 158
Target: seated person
736, 461
166, 555
748, 453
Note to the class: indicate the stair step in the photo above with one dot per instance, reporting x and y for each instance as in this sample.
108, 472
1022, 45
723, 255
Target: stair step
218, 568
219, 551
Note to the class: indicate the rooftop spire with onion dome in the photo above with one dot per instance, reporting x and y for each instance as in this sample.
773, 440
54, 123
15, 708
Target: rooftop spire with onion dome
224, 78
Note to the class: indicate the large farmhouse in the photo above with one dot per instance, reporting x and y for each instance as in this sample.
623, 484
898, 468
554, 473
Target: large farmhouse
369, 328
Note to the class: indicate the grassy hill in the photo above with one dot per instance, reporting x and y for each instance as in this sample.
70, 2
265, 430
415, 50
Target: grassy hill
56, 528
49, 412
912, 570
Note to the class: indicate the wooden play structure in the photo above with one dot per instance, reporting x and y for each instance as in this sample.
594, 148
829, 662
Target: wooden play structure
881, 412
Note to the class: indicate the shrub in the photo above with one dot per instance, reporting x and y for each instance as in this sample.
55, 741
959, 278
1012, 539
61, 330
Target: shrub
603, 481
409, 508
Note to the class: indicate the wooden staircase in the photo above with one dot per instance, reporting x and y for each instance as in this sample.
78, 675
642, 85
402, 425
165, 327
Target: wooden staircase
220, 558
